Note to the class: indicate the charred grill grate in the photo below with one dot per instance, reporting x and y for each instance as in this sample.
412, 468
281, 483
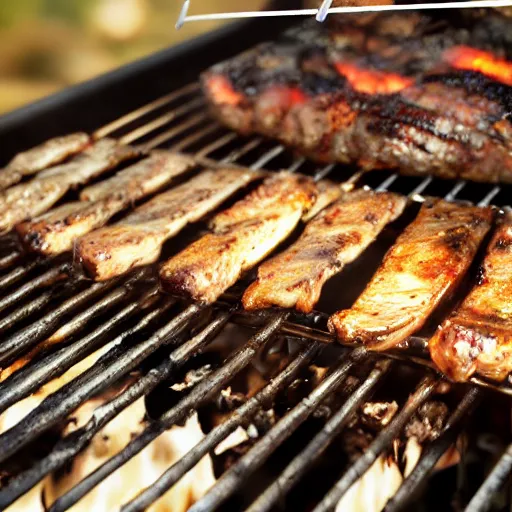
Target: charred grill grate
70, 308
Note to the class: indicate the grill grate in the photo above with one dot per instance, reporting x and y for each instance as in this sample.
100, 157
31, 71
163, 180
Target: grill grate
179, 122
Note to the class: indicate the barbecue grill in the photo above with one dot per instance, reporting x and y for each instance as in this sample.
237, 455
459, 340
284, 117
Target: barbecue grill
157, 102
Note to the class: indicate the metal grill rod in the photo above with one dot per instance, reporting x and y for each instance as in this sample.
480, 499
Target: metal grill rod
324, 172
204, 391
10, 259
36, 331
28, 379
217, 143
381, 443
259, 453
69, 446
299, 331
78, 321
26, 310
81, 319
193, 138
434, 451
486, 201
352, 9
297, 164
146, 109
483, 499
113, 298
147, 128
180, 111
43, 280
384, 186
241, 415
421, 187
455, 190
18, 273
236, 154
303, 461
193, 121
118, 361
24, 290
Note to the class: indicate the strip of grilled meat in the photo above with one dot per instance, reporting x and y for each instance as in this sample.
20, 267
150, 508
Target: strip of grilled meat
51, 152
242, 236
28, 200
334, 238
476, 338
380, 100
138, 238
102, 156
422, 268
142, 178
397, 133
55, 231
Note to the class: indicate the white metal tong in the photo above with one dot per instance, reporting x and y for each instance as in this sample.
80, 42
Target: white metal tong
326, 8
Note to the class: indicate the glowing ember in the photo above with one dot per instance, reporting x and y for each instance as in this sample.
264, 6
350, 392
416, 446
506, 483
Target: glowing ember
371, 81
296, 96
464, 57
275, 98
223, 92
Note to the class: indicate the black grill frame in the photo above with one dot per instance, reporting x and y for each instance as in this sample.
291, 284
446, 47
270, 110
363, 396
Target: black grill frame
21, 277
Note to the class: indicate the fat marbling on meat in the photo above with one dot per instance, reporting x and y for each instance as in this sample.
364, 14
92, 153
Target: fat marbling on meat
476, 338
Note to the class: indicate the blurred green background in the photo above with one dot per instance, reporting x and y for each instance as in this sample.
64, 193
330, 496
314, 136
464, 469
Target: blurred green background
46, 45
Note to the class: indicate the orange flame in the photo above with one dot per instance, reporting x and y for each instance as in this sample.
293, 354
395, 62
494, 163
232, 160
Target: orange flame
286, 96
371, 81
465, 57
222, 91
297, 96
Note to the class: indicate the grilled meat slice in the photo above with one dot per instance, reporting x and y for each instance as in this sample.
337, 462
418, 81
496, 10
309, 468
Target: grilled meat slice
393, 132
102, 156
334, 238
138, 238
55, 232
51, 152
423, 267
242, 236
27, 200
357, 97
140, 179
327, 193
263, 110
253, 91
476, 338
31, 199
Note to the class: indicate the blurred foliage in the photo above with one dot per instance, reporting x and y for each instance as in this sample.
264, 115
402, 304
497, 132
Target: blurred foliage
46, 45
72, 11
13, 12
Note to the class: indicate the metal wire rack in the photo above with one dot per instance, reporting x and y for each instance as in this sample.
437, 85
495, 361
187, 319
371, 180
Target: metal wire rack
53, 318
